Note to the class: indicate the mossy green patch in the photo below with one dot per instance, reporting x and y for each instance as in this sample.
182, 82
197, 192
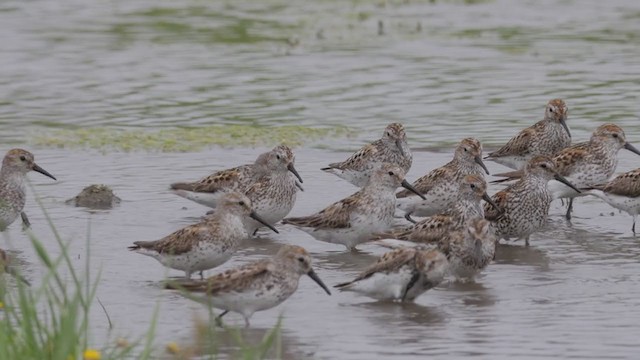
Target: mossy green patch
503, 33
184, 139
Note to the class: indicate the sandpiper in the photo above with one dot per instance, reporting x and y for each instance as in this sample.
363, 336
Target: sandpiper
5, 267
15, 166
256, 286
208, 190
472, 190
525, 205
274, 195
546, 137
586, 164
590, 163
468, 250
391, 148
440, 186
623, 193
356, 218
207, 244
402, 274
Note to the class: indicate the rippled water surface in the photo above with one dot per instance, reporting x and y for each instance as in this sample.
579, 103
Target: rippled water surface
447, 70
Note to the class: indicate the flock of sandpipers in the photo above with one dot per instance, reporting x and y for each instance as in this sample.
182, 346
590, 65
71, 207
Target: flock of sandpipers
457, 237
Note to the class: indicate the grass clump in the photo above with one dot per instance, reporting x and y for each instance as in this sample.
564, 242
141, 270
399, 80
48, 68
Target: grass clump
51, 321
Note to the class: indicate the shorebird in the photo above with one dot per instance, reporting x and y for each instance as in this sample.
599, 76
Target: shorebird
208, 190
440, 186
256, 286
468, 250
402, 274
207, 244
585, 164
623, 193
13, 175
391, 148
355, 219
468, 206
525, 204
546, 137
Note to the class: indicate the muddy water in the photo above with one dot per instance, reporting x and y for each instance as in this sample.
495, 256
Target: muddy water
447, 70
574, 292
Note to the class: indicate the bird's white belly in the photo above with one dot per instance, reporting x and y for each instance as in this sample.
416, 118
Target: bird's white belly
581, 179
513, 162
362, 229
251, 300
624, 203
358, 178
383, 286
205, 256
271, 210
436, 202
203, 198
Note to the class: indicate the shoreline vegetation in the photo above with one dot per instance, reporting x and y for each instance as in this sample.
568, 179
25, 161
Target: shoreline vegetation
184, 139
50, 319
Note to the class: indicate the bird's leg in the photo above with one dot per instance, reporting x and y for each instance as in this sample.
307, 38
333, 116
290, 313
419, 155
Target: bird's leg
255, 232
353, 249
526, 241
569, 209
219, 318
633, 227
201, 274
246, 321
25, 220
187, 275
15, 274
414, 278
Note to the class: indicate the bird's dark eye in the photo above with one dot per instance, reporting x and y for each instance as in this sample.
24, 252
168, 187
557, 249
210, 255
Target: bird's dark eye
465, 150
278, 157
544, 166
615, 135
241, 203
22, 158
391, 173
473, 186
301, 259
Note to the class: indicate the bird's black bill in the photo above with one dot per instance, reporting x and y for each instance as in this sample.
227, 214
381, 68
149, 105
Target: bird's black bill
486, 198
257, 218
478, 160
409, 218
409, 187
564, 125
631, 148
399, 145
42, 171
293, 170
566, 182
312, 274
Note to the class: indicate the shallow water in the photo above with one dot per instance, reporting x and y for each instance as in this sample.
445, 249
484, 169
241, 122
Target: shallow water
483, 69
574, 293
